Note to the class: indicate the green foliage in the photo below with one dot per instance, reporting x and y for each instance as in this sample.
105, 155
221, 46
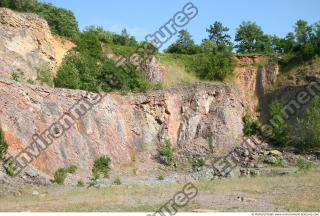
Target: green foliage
251, 39
309, 128
160, 178
10, 170
120, 50
208, 46
45, 75
184, 44
88, 44
305, 165
3, 146
103, 35
217, 65
166, 151
17, 75
250, 126
117, 181
61, 21
199, 163
158, 86
87, 71
124, 39
302, 45
279, 135
127, 77
59, 176
30, 81
19, 5
101, 166
77, 72
72, 169
218, 34
80, 183
93, 181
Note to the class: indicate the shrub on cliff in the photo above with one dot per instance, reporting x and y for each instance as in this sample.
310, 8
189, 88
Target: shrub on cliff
20, 5
250, 126
45, 75
309, 128
166, 153
77, 72
88, 43
61, 174
279, 133
101, 166
3, 145
61, 21
214, 66
80, 71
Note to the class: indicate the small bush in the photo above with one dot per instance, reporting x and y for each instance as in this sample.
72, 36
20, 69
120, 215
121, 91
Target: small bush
250, 126
117, 181
88, 43
166, 152
93, 182
158, 86
101, 166
72, 169
80, 183
45, 75
30, 81
309, 128
59, 176
3, 146
160, 178
61, 21
217, 65
304, 165
279, 134
17, 75
199, 163
9, 168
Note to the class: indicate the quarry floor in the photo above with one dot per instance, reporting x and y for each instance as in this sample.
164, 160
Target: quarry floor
293, 192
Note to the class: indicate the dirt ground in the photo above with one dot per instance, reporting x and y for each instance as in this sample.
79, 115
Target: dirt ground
295, 192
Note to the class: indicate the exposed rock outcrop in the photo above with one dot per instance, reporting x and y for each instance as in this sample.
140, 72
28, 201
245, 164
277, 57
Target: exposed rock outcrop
26, 43
153, 70
253, 77
121, 126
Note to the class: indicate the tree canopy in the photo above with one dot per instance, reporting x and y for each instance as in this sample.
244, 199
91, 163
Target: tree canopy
218, 34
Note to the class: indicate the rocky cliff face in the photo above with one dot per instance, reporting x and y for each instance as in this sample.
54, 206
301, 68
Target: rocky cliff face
26, 43
124, 127
252, 77
153, 70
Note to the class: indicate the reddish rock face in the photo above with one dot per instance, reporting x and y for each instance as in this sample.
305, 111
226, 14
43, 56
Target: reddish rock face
123, 127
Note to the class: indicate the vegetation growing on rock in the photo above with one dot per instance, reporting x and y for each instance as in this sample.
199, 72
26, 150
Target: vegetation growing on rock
309, 128
166, 153
101, 166
61, 21
61, 174
3, 145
